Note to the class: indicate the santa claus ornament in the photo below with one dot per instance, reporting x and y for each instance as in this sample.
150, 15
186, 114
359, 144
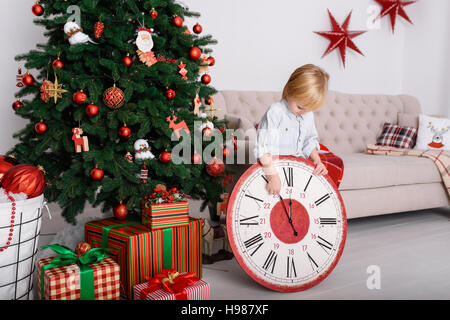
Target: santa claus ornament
75, 34
144, 42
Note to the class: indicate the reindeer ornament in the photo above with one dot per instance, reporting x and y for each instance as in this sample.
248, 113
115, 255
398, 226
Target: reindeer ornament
81, 142
177, 126
438, 140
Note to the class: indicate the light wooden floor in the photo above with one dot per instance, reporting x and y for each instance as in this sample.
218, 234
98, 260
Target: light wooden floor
412, 250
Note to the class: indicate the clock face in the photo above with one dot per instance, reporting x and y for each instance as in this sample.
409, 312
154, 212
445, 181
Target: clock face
289, 242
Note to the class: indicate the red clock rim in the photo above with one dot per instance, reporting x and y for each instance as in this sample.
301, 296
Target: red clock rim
240, 259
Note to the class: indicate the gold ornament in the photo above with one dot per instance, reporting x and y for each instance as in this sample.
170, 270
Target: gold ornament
55, 90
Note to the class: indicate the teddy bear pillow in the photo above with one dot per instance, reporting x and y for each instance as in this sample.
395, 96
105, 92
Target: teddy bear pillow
433, 134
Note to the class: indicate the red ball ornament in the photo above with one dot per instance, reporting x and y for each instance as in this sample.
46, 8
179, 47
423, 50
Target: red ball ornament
170, 94
198, 29
97, 174
113, 97
207, 132
79, 97
37, 9
195, 53
209, 101
226, 152
196, 158
57, 64
120, 212
27, 79
82, 248
215, 167
127, 60
125, 132
6, 163
211, 61
165, 157
24, 178
206, 79
154, 13
17, 104
177, 21
92, 110
41, 127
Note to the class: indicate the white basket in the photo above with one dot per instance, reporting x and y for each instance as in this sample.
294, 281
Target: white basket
17, 261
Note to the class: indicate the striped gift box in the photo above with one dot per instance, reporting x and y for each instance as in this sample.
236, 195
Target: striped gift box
198, 291
165, 215
142, 253
63, 283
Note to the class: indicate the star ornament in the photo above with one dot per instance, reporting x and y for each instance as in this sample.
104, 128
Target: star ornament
340, 37
55, 90
393, 8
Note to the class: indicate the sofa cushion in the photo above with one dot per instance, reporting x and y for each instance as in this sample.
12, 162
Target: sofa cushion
365, 171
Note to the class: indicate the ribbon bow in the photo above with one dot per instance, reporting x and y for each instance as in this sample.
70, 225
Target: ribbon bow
171, 281
68, 256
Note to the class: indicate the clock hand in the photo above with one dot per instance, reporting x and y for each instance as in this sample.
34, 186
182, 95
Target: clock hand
290, 208
287, 214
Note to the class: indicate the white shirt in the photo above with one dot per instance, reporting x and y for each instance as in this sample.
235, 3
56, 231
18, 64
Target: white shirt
281, 132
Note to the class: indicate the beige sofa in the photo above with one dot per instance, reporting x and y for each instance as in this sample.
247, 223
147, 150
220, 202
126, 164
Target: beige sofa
372, 184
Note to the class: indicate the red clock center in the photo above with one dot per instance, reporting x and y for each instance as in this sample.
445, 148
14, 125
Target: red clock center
279, 221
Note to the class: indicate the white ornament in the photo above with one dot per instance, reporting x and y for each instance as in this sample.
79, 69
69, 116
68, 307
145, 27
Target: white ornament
144, 40
75, 34
142, 150
207, 124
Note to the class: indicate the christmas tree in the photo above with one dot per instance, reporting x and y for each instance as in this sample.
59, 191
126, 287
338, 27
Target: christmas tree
114, 72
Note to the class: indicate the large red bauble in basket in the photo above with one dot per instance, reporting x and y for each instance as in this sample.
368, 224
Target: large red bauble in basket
6, 163
24, 178
114, 97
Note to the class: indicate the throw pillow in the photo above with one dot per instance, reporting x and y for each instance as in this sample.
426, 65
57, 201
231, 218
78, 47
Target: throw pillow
433, 134
408, 120
397, 136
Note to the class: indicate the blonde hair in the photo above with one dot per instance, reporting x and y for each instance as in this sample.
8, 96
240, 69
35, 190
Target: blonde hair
308, 85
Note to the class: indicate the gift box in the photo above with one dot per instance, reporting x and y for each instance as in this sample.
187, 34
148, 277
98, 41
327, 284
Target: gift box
58, 279
165, 215
171, 285
142, 252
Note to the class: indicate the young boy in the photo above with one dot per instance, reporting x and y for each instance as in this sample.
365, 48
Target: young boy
288, 126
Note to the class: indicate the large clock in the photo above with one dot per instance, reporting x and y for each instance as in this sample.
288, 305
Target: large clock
292, 241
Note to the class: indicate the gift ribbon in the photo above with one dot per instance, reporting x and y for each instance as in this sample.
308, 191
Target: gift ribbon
105, 231
171, 281
68, 256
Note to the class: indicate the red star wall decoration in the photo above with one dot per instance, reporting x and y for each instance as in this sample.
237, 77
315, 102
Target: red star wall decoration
394, 8
340, 37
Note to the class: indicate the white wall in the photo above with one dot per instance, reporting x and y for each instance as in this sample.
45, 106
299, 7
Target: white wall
262, 41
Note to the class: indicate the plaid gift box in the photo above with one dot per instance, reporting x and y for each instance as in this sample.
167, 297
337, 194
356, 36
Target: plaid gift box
143, 253
165, 215
63, 282
169, 285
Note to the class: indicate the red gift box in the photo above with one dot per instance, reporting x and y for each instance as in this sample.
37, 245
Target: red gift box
143, 253
165, 215
171, 285
63, 282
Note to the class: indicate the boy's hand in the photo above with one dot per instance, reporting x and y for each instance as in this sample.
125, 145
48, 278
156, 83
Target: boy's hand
274, 184
320, 169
